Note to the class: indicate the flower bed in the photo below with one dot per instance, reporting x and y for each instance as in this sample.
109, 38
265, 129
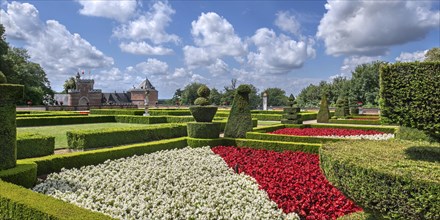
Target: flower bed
191, 183
335, 133
292, 179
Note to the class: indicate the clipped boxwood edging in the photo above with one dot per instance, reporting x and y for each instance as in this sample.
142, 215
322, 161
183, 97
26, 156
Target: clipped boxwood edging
62, 120
34, 145
84, 139
117, 111
203, 129
23, 174
18, 203
395, 179
134, 119
175, 112
354, 121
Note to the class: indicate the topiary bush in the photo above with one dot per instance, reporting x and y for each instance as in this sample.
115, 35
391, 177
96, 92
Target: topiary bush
290, 115
202, 112
342, 109
240, 118
203, 129
324, 112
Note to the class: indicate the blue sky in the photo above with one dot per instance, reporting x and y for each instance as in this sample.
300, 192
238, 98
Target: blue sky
284, 44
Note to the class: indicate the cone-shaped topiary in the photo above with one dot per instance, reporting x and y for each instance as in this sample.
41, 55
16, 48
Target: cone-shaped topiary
290, 115
342, 109
2, 78
240, 119
324, 112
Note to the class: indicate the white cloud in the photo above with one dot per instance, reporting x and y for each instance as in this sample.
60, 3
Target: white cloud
150, 26
143, 48
287, 22
152, 67
278, 54
218, 68
350, 64
411, 57
214, 38
118, 10
50, 44
364, 27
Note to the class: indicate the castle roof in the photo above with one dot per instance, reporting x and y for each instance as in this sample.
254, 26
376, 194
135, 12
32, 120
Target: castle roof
145, 85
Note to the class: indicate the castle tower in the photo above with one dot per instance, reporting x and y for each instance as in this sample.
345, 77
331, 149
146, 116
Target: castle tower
138, 93
84, 94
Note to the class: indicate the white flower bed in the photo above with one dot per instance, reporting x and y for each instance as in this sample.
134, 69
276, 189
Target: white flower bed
190, 183
378, 137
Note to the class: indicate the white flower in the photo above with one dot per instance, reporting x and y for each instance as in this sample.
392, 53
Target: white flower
174, 184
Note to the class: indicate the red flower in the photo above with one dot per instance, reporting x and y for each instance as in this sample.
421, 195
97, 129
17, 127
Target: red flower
324, 132
292, 179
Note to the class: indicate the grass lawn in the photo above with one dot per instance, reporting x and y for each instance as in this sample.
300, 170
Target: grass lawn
59, 131
268, 123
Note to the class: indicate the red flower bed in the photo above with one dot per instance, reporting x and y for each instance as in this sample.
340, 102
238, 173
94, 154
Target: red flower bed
292, 179
324, 132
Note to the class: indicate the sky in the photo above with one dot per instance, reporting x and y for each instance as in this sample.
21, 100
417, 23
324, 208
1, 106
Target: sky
278, 43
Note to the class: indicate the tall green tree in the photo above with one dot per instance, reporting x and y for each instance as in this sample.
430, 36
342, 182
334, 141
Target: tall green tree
228, 94
189, 93
310, 96
433, 55
254, 98
69, 84
340, 86
215, 97
364, 86
16, 65
276, 97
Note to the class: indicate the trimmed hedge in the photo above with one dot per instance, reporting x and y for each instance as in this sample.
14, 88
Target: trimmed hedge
354, 121
398, 180
62, 120
117, 111
54, 163
270, 112
179, 119
8, 134
23, 174
34, 145
48, 115
290, 138
140, 119
410, 95
17, 203
84, 139
203, 129
202, 142
268, 117
175, 112
385, 129
307, 116
266, 129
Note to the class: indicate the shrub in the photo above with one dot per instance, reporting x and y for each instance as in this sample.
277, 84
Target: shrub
410, 95
140, 119
34, 145
411, 134
24, 174
203, 113
323, 113
354, 121
3, 79
342, 107
62, 120
203, 129
117, 111
176, 112
395, 179
202, 142
240, 119
83, 139
268, 117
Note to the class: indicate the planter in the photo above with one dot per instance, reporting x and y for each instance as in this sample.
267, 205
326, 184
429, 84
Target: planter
203, 113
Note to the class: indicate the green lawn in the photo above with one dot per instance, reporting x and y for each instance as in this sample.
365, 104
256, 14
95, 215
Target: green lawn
59, 131
268, 123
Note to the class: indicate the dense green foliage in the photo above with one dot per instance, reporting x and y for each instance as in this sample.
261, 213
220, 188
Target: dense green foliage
63, 120
84, 139
399, 180
15, 65
412, 134
342, 110
203, 129
433, 55
24, 174
364, 84
275, 97
324, 112
69, 84
9, 93
34, 145
3, 79
240, 119
410, 95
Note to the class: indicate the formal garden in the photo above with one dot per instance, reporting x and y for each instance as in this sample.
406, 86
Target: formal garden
210, 163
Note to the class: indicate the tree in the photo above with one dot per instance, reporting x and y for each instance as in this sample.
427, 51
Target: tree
340, 86
215, 97
364, 86
254, 99
69, 84
433, 55
276, 97
189, 93
229, 93
311, 95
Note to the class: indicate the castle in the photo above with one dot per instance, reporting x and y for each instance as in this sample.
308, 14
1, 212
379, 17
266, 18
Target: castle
85, 95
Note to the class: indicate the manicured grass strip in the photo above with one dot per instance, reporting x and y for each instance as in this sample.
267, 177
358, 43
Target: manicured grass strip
18, 203
59, 131
396, 179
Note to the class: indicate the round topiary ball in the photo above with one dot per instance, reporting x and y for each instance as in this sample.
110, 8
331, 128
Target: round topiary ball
244, 89
2, 78
201, 101
203, 91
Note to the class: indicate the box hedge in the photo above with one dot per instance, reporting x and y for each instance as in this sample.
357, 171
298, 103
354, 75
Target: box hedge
62, 120
395, 179
34, 145
117, 111
84, 139
203, 129
175, 112
354, 121
290, 138
410, 95
23, 174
